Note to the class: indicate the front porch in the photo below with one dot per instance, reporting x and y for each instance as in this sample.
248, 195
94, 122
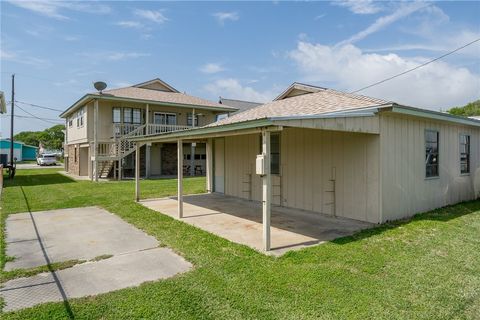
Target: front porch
240, 221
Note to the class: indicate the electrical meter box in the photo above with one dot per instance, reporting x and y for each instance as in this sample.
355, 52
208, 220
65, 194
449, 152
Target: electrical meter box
260, 164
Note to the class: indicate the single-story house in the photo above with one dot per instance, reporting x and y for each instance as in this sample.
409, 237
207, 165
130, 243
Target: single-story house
338, 154
21, 151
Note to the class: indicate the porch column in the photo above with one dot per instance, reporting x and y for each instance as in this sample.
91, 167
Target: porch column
137, 172
180, 178
209, 165
266, 190
147, 160
192, 149
95, 139
148, 146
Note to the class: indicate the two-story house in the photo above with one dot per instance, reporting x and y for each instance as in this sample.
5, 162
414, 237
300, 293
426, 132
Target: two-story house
99, 125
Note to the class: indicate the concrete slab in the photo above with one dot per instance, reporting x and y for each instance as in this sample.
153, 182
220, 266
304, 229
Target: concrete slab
240, 221
92, 278
43, 237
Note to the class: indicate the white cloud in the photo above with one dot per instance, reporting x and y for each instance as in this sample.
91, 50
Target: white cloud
382, 22
130, 24
152, 15
320, 16
113, 56
438, 85
211, 68
225, 16
52, 9
359, 6
22, 58
233, 89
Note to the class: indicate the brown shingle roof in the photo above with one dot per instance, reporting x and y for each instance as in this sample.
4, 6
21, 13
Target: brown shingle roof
324, 101
160, 96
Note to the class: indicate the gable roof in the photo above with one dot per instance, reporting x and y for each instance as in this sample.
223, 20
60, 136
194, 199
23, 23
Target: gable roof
150, 84
320, 102
297, 89
152, 96
241, 105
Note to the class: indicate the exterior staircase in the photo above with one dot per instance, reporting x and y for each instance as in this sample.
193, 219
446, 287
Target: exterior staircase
105, 168
109, 152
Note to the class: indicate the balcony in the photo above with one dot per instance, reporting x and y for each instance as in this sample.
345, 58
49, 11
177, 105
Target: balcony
124, 130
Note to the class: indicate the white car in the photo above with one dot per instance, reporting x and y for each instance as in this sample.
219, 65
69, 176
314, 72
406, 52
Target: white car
47, 160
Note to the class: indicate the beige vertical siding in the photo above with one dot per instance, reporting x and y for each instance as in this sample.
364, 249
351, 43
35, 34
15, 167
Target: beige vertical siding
405, 190
310, 160
79, 134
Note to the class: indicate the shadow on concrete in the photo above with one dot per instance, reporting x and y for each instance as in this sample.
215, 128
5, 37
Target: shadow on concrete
68, 309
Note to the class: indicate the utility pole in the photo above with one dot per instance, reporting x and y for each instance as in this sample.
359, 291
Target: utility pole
11, 126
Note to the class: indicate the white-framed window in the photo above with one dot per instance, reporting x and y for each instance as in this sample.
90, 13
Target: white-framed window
127, 115
80, 114
464, 153
136, 116
189, 119
116, 114
70, 122
165, 118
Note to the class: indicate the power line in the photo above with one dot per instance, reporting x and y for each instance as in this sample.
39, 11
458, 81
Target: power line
417, 67
29, 117
38, 106
43, 119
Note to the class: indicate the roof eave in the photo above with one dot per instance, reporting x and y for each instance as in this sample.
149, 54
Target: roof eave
435, 115
89, 96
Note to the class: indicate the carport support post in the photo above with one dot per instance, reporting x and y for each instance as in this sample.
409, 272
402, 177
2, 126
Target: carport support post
137, 172
180, 178
209, 166
266, 190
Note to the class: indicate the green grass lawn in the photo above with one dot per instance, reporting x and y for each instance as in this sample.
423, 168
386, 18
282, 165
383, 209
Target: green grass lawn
426, 268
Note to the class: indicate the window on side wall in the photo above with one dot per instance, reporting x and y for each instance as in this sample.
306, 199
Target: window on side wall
189, 120
80, 118
464, 154
116, 115
70, 122
274, 152
431, 153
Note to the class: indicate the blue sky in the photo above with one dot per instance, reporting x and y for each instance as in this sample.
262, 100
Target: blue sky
243, 50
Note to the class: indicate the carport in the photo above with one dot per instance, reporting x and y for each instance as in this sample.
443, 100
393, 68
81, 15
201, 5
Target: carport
247, 217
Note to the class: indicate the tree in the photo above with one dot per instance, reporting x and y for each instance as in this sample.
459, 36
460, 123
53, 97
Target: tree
51, 138
469, 110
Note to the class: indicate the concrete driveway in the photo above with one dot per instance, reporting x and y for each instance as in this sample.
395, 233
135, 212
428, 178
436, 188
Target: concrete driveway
42, 238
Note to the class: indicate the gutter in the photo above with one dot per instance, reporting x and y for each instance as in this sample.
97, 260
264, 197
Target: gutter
436, 115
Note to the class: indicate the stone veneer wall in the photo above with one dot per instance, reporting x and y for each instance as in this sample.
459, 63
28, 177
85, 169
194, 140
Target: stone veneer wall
169, 159
73, 163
